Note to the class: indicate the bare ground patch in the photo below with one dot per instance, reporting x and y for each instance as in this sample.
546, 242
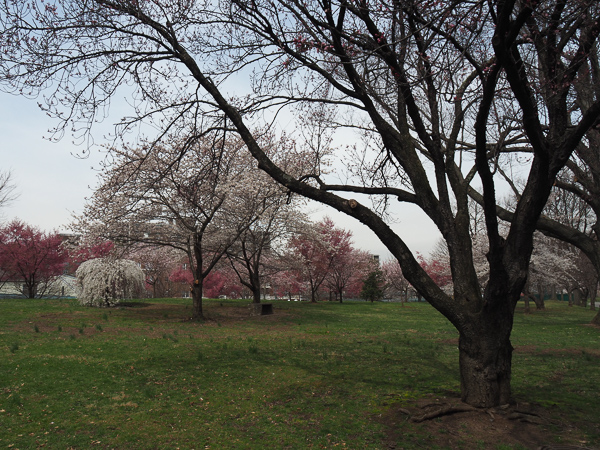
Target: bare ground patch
448, 423
151, 314
532, 349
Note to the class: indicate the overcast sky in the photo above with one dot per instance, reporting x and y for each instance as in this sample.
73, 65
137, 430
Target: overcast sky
52, 182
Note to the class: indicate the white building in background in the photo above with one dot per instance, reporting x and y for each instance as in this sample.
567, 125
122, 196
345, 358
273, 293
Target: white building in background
62, 286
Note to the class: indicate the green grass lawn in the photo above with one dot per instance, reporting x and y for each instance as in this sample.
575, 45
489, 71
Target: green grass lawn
309, 376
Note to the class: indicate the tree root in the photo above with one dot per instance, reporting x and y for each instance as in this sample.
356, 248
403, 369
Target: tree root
563, 447
442, 410
435, 410
527, 417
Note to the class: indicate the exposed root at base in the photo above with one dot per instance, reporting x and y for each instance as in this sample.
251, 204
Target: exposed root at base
441, 410
446, 422
433, 411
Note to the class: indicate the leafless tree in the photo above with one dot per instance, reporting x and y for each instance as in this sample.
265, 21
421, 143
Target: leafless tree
7, 189
572, 209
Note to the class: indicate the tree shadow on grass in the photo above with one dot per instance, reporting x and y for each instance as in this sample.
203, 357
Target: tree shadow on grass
133, 305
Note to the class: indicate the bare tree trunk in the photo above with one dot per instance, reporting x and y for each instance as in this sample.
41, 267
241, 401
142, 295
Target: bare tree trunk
255, 286
539, 303
198, 284
256, 295
485, 359
584, 297
29, 290
313, 293
485, 368
570, 294
197, 313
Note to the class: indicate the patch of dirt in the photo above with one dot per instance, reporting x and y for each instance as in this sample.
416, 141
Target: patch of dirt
151, 314
232, 313
532, 349
133, 305
450, 424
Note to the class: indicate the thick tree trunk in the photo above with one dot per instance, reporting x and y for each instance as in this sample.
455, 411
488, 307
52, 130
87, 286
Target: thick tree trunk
485, 359
256, 294
584, 297
593, 291
570, 295
197, 313
485, 350
313, 294
539, 303
255, 284
30, 290
199, 275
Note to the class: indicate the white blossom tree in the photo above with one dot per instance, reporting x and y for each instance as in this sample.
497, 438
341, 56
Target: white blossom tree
556, 264
104, 282
255, 255
196, 195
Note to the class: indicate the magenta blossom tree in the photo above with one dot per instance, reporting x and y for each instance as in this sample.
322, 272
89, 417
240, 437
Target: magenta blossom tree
30, 258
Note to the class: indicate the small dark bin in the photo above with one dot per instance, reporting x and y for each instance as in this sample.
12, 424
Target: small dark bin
261, 309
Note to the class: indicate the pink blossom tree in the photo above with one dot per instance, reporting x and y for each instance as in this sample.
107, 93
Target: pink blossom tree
255, 255
81, 250
157, 263
285, 283
307, 254
30, 258
314, 251
438, 270
324, 256
182, 277
214, 284
348, 270
396, 285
